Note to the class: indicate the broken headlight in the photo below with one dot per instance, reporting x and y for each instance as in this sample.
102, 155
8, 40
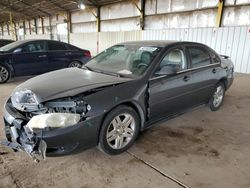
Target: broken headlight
53, 120
23, 99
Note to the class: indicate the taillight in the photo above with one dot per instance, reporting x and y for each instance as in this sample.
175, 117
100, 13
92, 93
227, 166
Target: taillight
87, 53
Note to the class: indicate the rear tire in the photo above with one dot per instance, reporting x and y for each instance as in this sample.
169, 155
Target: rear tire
217, 97
76, 64
119, 130
4, 74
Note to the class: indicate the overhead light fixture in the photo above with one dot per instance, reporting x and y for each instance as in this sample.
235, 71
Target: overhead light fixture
81, 5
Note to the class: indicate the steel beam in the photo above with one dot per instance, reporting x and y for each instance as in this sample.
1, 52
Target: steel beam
98, 19
42, 23
31, 6
35, 24
142, 18
220, 13
24, 28
142, 12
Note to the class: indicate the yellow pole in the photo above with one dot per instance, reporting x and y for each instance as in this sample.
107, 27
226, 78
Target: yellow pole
220, 12
12, 27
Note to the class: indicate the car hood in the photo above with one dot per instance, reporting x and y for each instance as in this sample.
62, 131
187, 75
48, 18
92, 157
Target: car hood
67, 82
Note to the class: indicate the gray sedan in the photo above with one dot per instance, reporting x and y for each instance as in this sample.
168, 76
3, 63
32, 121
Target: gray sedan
117, 94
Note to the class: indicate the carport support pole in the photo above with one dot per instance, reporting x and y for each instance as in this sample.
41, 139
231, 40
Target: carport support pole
16, 37
98, 27
42, 23
142, 20
69, 25
2, 29
29, 27
98, 19
142, 12
220, 13
8, 28
12, 27
50, 27
35, 23
24, 28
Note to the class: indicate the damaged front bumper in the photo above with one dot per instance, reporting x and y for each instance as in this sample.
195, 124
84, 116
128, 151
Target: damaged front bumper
20, 137
39, 143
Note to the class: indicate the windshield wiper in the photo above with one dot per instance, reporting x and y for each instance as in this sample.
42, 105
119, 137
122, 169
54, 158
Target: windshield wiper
101, 71
109, 73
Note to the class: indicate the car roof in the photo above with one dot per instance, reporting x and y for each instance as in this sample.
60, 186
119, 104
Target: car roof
159, 43
9, 40
32, 40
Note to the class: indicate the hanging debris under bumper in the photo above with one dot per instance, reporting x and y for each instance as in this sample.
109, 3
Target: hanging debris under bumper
20, 138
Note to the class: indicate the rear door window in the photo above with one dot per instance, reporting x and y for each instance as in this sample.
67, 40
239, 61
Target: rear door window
215, 58
74, 48
34, 47
56, 46
199, 57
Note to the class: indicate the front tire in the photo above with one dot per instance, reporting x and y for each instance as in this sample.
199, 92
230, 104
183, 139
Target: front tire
119, 130
217, 97
4, 74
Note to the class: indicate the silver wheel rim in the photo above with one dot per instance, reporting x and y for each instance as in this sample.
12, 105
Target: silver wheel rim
218, 96
120, 131
4, 74
75, 64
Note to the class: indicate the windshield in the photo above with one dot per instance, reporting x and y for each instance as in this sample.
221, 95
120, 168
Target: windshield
124, 60
11, 46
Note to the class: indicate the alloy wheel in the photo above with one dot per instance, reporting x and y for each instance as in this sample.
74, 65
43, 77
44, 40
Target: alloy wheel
75, 64
120, 131
4, 74
218, 96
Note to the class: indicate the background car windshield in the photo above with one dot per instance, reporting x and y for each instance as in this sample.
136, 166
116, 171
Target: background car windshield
11, 46
126, 60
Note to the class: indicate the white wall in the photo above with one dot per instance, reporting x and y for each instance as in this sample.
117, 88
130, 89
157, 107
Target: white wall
231, 41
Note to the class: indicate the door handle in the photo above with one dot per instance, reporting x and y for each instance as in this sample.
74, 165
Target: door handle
214, 71
42, 56
186, 78
68, 53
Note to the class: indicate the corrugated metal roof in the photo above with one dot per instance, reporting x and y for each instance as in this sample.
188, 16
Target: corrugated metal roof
28, 9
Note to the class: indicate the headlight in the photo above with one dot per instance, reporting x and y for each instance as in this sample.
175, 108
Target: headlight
24, 99
53, 120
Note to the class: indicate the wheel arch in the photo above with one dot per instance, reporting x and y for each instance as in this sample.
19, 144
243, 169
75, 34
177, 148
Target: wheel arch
224, 81
138, 110
135, 106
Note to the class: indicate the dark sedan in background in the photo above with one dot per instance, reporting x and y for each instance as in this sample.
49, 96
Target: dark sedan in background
117, 94
32, 57
4, 42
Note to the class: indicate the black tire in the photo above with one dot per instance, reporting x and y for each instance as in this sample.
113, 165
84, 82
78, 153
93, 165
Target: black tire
76, 64
212, 102
104, 144
4, 74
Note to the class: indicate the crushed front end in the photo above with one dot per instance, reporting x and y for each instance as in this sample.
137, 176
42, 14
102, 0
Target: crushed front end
19, 136
55, 127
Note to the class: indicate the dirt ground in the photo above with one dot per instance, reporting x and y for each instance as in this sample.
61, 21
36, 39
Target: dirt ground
197, 149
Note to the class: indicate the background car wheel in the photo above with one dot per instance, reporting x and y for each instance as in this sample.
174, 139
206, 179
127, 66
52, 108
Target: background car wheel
75, 64
218, 97
119, 130
4, 74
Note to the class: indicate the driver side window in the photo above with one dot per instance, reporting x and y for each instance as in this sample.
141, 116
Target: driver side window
174, 59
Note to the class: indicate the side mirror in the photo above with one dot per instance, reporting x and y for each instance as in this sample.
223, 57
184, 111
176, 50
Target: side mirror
167, 70
18, 50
